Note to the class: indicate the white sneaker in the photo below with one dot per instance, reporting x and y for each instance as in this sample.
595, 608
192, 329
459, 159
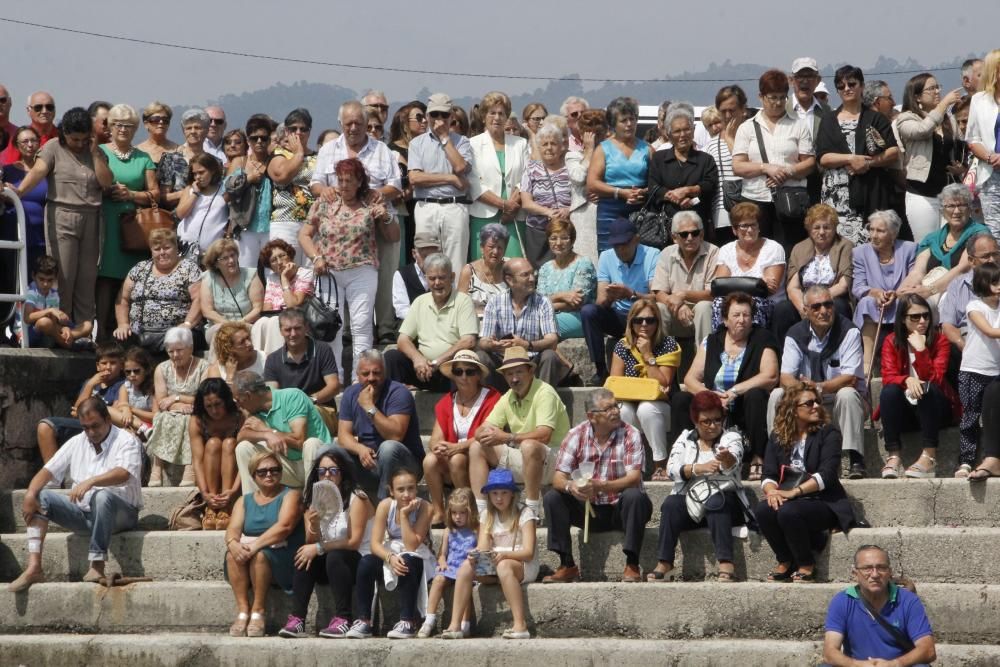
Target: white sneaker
426, 630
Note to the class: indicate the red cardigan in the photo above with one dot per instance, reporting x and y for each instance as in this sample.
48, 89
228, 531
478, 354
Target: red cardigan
445, 416
931, 365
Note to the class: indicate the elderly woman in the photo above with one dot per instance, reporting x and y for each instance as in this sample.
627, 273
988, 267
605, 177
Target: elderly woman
202, 208
981, 138
498, 164
731, 103
215, 421
287, 285
646, 351
261, 541
928, 135
593, 127
822, 259
752, 255
340, 237
159, 293
234, 352
156, 119
619, 168
568, 280
856, 149
941, 255
228, 292
712, 120
682, 178
173, 170
76, 171
483, 278
176, 383
457, 416
25, 140
879, 269
914, 387
706, 452
546, 193
532, 117
739, 362
803, 497
773, 150
248, 191
290, 170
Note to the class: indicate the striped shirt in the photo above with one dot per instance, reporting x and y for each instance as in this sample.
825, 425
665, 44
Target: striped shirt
537, 319
719, 150
622, 454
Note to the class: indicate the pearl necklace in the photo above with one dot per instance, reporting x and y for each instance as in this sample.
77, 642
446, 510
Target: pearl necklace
120, 155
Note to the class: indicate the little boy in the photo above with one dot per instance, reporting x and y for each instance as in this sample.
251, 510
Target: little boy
41, 310
105, 383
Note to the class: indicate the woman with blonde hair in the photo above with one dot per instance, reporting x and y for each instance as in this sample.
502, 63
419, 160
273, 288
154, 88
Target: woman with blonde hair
234, 352
980, 135
229, 292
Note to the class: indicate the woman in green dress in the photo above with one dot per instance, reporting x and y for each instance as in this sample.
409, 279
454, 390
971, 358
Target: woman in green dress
135, 185
498, 163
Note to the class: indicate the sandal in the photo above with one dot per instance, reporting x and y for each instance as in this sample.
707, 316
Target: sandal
654, 576
660, 474
973, 477
962, 471
756, 472
239, 626
776, 576
727, 577
892, 470
801, 577
917, 471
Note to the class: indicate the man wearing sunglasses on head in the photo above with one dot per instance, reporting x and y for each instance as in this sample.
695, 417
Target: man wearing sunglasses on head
683, 278
42, 112
825, 352
216, 131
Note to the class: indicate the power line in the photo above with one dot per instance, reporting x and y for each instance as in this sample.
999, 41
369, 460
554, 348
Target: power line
322, 63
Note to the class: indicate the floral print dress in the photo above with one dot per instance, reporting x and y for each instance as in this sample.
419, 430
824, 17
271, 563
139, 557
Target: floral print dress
170, 441
835, 192
345, 237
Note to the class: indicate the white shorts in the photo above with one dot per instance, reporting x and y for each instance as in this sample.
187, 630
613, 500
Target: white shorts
511, 458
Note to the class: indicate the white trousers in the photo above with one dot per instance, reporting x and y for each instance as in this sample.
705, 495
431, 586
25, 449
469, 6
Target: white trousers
250, 244
653, 419
356, 290
448, 222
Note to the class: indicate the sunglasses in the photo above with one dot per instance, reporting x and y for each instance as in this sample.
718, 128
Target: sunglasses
298, 129
465, 372
419, 118
157, 120
439, 114
811, 403
816, 307
133, 371
374, 128
849, 85
4, 100
37, 108
257, 138
324, 472
575, 114
644, 320
268, 472
687, 235
216, 121
916, 317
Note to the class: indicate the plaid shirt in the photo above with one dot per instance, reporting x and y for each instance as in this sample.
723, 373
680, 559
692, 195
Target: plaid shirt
625, 453
537, 318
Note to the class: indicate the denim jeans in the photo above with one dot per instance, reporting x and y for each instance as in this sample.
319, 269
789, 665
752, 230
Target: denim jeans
391, 455
108, 514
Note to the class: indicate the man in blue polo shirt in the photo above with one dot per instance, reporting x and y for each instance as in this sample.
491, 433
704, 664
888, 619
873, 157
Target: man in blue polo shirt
624, 274
378, 426
853, 633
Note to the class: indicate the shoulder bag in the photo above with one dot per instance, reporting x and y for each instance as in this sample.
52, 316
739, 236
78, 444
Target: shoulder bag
324, 318
652, 223
136, 225
188, 515
192, 249
732, 188
790, 201
902, 640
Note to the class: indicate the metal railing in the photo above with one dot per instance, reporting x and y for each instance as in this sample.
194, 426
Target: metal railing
20, 246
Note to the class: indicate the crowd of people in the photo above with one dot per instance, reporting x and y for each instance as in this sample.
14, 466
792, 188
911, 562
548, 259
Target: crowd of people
737, 278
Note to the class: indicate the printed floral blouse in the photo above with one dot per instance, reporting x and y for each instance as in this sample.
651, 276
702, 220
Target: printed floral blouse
291, 202
345, 237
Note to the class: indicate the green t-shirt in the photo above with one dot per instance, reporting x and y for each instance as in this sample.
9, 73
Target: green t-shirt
541, 407
287, 405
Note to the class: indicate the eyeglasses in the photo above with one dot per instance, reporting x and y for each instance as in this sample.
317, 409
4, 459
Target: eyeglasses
916, 317
268, 472
236, 141
744, 226
644, 320
328, 471
216, 121
954, 207
868, 569
932, 89
575, 114
816, 307
847, 85
614, 407
465, 372
27, 142
133, 371
689, 234
37, 108
419, 118
439, 114
257, 138
298, 129
773, 99
811, 403
536, 119
122, 126
713, 421
380, 107
157, 120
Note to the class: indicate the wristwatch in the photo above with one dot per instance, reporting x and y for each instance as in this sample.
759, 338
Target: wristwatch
651, 361
371, 411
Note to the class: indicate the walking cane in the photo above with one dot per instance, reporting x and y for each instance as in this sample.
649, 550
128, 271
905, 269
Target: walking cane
871, 365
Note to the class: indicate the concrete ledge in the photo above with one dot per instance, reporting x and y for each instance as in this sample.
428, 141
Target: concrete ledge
958, 613
925, 554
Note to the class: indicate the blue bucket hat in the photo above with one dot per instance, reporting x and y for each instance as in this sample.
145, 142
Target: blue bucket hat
500, 479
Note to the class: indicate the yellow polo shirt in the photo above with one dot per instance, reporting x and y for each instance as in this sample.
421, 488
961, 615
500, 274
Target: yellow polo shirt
435, 330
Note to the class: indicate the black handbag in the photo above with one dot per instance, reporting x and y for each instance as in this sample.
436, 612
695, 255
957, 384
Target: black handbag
756, 287
732, 188
324, 319
790, 201
652, 225
791, 478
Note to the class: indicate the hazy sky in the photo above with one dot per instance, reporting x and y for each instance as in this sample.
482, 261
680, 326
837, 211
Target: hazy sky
517, 37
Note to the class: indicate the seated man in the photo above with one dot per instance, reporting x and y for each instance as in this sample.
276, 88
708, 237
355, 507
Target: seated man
104, 384
521, 433
410, 282
438, 325
876, 622
683, 278
106, 461
378, 427
980, 248
304, 364
523, 318
283, 421
825, 352
624, 273
615, 491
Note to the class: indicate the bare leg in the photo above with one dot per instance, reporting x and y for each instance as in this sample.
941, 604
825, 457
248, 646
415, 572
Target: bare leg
434, 475
47, 443
436, 593
458, 469
510, 573
480, 460
533, 454
462, 596
228, 471
211, 463
239, 580
33, 573
260, 573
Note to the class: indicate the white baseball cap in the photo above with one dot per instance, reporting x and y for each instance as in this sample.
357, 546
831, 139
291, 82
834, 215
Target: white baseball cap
800, 64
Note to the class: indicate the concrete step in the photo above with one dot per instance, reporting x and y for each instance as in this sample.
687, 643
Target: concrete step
902, 502
924, 554
192, 650
963, 613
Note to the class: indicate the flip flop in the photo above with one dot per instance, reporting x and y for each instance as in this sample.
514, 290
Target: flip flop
981, 478
801, 577
660, 475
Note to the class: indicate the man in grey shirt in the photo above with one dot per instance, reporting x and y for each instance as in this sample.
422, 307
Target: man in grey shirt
439, 166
